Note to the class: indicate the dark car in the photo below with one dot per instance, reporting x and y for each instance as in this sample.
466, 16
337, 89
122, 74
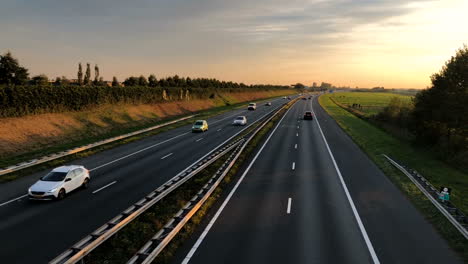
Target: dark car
303, 98
308, 115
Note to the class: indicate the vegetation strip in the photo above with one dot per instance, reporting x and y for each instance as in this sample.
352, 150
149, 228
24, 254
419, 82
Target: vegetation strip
374, 142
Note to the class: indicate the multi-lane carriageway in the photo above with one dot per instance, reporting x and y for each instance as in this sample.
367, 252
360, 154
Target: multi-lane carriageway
39, 231
309, 196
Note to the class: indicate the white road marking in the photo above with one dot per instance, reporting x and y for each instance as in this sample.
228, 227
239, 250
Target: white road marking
215, 217
103, 187
293, 165
219, 129
295, 146
12, 200
297, 134
297, 126
348, 195
170, 154
288, 211
198, 139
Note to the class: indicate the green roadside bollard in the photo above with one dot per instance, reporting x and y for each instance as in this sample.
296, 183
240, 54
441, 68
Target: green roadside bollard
444, 195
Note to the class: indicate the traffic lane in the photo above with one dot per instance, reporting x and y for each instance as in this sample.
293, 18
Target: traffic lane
399, 232
253, 214
26, 220
282, 214
14, 189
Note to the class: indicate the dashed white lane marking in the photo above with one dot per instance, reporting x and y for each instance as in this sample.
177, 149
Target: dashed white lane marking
288, 210
167, 156
12, 200
198, 139
103, 187
297, 134
295, 146
293, 165
219, 129
297, 126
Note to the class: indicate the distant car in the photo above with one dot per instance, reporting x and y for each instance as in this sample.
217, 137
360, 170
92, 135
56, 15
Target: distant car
252, 106
60, 181
268, 104
284, 97
200, 126
308, 115
303, 98
310, 97
289, 98
240, 121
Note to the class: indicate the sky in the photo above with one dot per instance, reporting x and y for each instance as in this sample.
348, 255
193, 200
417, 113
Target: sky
364, 43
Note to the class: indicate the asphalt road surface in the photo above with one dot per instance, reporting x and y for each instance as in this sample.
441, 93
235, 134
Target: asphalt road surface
36, 232
310, 197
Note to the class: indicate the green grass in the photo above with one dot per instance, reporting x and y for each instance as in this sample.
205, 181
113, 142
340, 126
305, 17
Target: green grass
371, 103
375, 142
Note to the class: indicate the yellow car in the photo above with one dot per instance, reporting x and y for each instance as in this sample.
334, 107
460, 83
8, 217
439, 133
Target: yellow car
200, 126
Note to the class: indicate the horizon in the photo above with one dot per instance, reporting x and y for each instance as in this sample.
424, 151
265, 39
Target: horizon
394, 44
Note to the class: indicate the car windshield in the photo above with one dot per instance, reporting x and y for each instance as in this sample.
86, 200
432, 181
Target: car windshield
54, 176
252, 104
240, 118
199, 123
308, 113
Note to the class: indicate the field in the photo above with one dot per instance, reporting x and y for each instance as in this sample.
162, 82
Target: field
375, 142
371, 103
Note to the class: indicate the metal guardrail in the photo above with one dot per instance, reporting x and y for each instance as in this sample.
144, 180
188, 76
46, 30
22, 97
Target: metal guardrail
453, 214
78, 251
163, 237
62, 154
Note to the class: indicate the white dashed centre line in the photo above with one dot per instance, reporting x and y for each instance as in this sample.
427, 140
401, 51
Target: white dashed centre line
297, 134
297, 126
167, 155
293, 165
103, 187
295, 146
219, 129
199, 139
288, 210
12, 200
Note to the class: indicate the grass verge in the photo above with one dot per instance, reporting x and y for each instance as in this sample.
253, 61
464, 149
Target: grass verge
375, 142
116, 132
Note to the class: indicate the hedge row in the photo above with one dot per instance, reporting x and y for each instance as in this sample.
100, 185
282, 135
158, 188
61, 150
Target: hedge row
24, 100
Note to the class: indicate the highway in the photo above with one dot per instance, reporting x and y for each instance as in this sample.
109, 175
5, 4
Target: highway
36, 232
310, 195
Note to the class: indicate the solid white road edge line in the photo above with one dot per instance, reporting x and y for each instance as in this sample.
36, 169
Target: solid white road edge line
12, 200
215, 217
103, 187
288, 210
348, 195
170, 154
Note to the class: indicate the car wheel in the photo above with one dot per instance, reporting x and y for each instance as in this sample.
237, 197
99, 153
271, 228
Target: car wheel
61, 194
85, 184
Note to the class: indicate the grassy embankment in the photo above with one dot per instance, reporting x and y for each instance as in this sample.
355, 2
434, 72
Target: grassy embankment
24, 138
375, 141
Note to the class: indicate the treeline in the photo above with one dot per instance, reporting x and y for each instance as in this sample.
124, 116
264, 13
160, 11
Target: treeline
438, 116
21, 95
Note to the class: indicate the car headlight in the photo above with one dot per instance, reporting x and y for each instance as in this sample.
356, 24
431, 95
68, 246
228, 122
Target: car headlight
53, 190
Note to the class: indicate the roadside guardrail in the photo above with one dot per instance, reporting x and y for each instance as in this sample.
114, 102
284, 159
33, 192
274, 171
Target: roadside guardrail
62, 154
453, 214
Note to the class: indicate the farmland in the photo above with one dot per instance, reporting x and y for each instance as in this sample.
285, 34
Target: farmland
371, 103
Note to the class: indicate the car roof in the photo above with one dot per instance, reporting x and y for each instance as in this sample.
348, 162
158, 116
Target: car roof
308, 112
200, 121
67, 168
240, 117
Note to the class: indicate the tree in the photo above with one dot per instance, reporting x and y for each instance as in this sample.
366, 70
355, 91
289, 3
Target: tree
131, 81
299, 86
10, 70
441, 112
87, 77
64, 81
152, 81
80, 74
58, 81
96, 75
142, 81
40, 79
115, 82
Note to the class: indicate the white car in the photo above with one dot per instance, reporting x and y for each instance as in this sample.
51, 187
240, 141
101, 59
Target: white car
240, 121
60, 181
252, 106
268, 104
